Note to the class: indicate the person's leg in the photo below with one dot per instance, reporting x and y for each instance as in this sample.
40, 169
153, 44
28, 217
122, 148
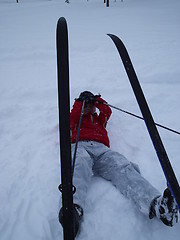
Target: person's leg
82, 173
126, 177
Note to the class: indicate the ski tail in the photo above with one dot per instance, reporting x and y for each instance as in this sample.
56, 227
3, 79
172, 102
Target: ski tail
150, 124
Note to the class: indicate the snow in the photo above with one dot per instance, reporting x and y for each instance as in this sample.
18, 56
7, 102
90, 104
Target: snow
29, 149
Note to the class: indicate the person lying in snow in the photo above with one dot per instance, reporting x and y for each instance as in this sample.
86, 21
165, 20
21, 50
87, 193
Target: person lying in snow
94, 156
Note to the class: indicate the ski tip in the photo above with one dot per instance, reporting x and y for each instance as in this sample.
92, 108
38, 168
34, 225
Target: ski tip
117, 41
114, 37
62, 28
110, 34
61, 21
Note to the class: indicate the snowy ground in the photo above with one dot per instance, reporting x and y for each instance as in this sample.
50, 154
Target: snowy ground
29, 149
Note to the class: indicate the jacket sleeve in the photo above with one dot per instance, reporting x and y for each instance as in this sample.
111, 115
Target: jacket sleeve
105, 111
75, 115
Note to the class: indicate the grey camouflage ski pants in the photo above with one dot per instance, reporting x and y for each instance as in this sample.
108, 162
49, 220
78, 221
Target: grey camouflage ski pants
95, 158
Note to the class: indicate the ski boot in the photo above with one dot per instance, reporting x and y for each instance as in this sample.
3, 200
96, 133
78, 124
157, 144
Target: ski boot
164, 208
78, 214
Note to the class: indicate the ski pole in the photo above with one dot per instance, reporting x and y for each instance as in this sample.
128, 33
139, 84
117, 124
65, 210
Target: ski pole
134, 115
77, 137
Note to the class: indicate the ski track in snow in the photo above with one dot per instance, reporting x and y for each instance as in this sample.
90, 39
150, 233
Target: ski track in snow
29, 159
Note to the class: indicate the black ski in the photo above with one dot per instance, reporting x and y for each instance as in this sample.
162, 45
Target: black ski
64, 128
155, 137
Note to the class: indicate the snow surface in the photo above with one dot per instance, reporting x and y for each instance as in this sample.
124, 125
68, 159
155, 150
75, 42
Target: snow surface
29, 149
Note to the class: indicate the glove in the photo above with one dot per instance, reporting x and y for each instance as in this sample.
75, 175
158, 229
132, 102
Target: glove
88, 97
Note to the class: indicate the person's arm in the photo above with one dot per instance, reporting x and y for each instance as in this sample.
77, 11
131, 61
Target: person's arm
105, 110
75, 114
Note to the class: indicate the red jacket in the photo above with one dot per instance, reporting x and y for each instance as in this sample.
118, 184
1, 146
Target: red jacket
93, 127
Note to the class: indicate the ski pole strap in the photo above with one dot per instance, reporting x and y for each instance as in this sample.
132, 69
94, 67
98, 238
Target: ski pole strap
134, 115
77, 137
